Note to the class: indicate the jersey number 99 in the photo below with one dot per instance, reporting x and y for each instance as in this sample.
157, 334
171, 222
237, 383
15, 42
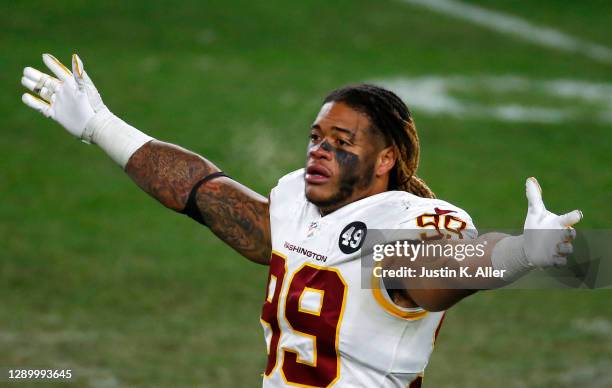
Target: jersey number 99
321, 327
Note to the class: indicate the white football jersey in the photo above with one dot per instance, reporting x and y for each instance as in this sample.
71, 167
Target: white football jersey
322, 328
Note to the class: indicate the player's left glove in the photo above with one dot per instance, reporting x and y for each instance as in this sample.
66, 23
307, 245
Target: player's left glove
547, 236
546, 240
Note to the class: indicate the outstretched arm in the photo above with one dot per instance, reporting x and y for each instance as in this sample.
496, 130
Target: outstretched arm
236, 214
546, 241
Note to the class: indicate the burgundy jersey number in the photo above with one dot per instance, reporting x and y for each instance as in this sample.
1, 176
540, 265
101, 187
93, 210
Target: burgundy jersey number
321, 326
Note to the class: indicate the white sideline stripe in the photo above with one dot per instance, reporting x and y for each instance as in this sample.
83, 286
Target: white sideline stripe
521, 28
599, 326
433, 94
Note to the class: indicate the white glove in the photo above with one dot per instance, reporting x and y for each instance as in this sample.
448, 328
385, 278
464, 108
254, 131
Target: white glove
547, 236
545, 242
83, 80
71, 99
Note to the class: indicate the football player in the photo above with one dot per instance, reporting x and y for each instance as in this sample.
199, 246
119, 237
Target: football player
322, 328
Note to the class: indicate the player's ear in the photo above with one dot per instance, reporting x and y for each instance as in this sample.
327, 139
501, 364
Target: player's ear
386, 160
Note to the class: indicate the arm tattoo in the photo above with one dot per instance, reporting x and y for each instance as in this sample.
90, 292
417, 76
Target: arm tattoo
167, 172
236, 214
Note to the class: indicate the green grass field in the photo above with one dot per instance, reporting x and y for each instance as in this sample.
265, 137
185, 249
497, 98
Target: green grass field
97, 277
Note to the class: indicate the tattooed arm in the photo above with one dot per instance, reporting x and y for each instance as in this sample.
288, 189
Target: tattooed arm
236, 214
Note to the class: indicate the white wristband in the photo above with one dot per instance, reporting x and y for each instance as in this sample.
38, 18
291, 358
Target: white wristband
509, 255
117, 138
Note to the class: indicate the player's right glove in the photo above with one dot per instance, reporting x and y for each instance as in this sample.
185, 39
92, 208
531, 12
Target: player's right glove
64, 99
546, 240
73, 101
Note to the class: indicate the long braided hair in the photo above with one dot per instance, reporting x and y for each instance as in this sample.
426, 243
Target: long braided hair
391, 117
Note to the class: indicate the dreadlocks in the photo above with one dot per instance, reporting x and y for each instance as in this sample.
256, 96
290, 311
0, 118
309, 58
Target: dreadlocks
390, 117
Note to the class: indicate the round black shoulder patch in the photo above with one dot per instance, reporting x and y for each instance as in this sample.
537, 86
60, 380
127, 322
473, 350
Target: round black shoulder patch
352, 237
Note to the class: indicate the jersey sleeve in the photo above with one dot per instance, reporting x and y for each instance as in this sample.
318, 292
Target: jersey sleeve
426, 219
286, 198
290, 188
437, 219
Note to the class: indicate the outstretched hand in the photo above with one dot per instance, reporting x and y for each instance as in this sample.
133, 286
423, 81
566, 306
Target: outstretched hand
547, 237
71, 99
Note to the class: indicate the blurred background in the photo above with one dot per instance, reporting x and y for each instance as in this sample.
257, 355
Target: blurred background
97, 277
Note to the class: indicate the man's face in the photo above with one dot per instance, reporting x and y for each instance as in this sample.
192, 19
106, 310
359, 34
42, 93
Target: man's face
341, 158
